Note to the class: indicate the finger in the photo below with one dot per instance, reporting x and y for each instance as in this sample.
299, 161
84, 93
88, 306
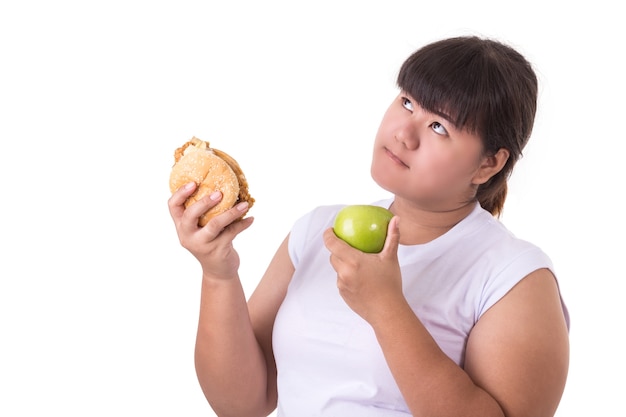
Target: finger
176, 202
237, 227
217, 224
198, 208
331, 241
393, 237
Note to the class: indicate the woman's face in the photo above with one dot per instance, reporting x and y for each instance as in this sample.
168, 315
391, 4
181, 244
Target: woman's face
422, 157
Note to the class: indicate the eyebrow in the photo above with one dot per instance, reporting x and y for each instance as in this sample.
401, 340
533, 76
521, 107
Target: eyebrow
445, 116
439, 113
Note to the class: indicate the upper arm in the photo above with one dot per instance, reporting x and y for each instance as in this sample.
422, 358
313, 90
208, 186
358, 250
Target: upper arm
263, 306
519, 350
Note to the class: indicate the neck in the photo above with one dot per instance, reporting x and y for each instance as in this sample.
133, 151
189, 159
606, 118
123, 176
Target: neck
420, 225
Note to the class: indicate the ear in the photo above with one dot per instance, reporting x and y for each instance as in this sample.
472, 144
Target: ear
490, 166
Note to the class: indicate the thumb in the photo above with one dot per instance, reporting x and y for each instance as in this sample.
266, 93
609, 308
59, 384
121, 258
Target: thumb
393, 236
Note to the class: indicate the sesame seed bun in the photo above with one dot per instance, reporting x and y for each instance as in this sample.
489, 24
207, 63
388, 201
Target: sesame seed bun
211, 170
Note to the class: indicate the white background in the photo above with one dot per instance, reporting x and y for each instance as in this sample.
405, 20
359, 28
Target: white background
98, 302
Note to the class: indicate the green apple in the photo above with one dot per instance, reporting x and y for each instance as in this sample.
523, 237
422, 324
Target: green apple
363, 227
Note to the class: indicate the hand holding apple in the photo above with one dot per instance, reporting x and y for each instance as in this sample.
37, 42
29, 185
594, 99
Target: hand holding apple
370, 285
363, 227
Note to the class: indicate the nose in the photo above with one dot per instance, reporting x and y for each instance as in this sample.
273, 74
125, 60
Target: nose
407, 135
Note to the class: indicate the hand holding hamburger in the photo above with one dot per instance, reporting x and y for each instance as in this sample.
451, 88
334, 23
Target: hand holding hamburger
211, 170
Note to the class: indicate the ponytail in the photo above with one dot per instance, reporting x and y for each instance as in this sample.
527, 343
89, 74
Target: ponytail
492, 198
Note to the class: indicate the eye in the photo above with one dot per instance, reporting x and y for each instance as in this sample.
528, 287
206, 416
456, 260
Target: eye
406, 103
439, 129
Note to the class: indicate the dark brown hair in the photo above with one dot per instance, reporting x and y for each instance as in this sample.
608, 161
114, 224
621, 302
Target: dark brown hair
483, 86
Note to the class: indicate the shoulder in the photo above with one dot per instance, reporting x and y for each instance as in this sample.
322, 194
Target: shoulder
498, 245
306, 232
315, 219
308, 229
310, 226
497, 257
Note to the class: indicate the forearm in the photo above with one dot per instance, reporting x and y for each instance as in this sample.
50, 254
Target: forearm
431, 383
230, 365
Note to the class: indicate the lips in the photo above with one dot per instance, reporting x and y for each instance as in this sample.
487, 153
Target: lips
395, 158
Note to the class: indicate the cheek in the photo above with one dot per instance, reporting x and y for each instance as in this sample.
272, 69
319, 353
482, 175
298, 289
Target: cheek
445, 171
379, 172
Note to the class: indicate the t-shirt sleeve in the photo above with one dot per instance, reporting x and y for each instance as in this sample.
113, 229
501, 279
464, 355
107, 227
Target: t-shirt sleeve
297, 237
511, 274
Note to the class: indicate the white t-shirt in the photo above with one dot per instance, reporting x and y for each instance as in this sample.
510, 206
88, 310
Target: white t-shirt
329, 361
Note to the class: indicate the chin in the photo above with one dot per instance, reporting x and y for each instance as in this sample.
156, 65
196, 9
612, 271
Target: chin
383, 181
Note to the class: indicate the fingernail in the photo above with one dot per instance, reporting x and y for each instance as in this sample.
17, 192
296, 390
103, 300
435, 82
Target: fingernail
215, 195
242, 206
189, 185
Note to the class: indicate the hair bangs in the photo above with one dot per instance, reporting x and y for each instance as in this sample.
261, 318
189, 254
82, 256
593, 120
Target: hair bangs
449, 83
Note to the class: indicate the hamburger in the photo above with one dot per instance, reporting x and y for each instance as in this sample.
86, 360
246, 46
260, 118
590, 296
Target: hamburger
211, 170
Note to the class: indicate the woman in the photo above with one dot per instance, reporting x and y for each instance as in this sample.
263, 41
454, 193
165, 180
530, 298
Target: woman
455, 317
